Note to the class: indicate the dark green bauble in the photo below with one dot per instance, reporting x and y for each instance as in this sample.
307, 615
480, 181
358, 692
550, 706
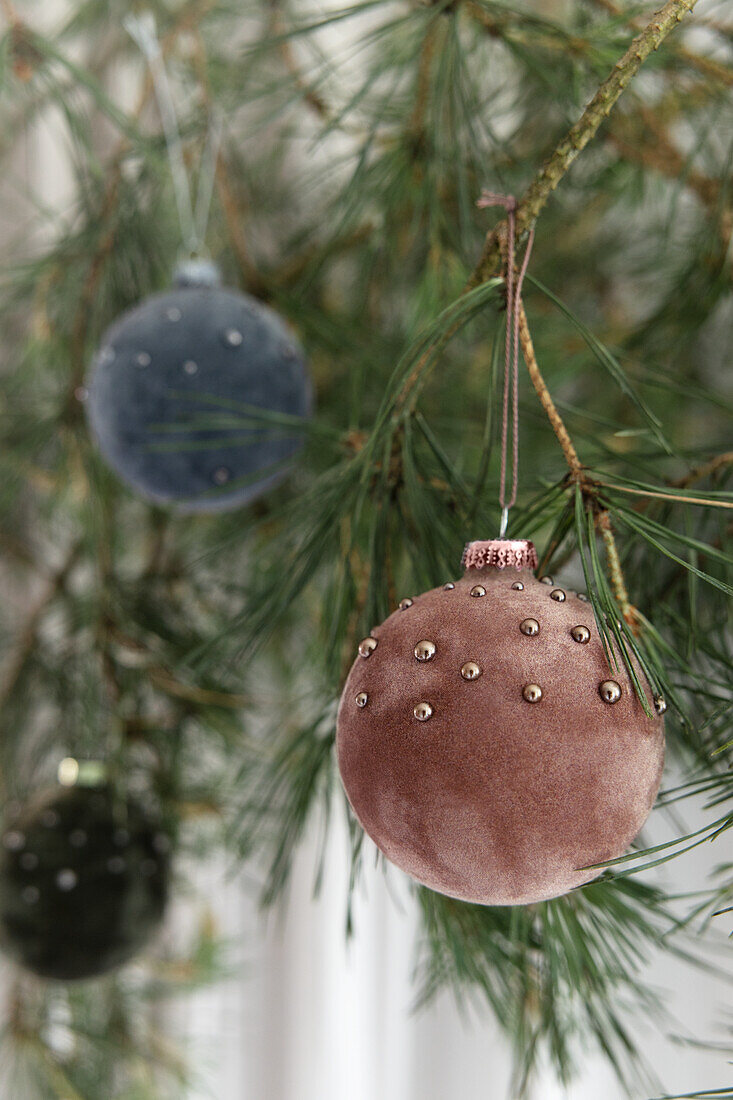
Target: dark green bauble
83, 881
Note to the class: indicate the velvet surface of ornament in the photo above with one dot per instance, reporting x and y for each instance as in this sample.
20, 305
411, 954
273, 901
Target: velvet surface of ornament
195, 396
484, 743
83, 882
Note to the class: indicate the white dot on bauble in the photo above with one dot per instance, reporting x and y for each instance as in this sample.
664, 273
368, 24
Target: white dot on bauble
67, 879
13, 841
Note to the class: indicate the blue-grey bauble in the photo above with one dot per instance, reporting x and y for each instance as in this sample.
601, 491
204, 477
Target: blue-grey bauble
198, 397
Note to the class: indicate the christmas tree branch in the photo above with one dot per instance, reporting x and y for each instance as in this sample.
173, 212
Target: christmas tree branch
707, 469
27, 638
584, 130
558, 426
645, 140
706, 65
311, 97
422, 89
580, 134
577, 472
615, 572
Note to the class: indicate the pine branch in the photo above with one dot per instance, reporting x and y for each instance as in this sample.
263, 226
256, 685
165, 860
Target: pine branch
653, 148
27, 637
578, 474
706, 470
583, 131
708, 66
558, 426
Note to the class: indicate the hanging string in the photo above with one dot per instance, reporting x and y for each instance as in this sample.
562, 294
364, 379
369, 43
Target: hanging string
207, 176
142, 30
514, 283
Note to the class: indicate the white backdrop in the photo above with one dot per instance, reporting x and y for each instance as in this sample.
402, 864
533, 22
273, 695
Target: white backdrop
310, 1017
315, 1018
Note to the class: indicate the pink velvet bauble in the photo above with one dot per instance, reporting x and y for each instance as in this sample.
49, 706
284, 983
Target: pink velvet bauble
484, 742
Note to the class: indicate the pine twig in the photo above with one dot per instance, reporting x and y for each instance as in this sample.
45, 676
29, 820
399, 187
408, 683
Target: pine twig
505, 24
416, 126
655, 151
584, 130
577, 474
699, 473
29, 633
615, 572
311, 97
708, 66
580, 134
558, 425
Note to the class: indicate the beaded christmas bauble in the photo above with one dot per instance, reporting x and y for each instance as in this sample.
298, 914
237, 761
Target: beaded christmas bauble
196, 396
484, 742
83, 882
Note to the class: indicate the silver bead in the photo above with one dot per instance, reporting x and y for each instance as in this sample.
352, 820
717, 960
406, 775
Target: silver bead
423, 711
660, 704
190, 367
67, 879
220, 475
367, 646
50, 819
532, 693
580, 634
558, 595
609, 691
233, 337
424, 651
81, 393
530, 627
404, 604
470, 671
30, 895
173, 314
362, 699
115, 865
77, 838
546, 580
29, 861
14, 841
478, 590
518, 586
106, 355
143, 359
121, 837
449, 586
